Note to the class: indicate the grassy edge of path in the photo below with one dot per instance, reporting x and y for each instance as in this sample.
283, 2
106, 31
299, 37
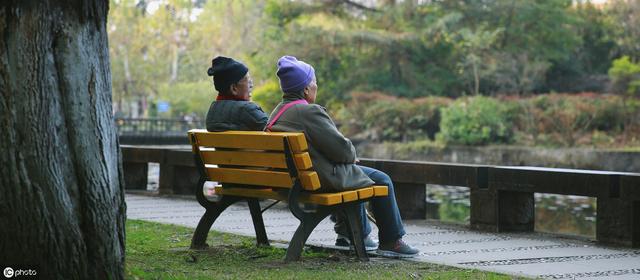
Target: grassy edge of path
160, 251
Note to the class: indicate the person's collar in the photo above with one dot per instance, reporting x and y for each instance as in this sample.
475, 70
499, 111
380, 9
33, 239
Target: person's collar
229, 97
288, 97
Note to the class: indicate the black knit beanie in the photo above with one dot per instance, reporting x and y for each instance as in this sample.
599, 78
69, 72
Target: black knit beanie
225, 72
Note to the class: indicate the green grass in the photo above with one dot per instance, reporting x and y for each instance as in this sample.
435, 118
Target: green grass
158, 251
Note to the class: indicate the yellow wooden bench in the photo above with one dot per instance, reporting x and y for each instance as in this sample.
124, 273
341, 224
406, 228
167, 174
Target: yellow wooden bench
270, 165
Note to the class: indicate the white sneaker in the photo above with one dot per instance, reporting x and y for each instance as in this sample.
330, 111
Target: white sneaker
344, 241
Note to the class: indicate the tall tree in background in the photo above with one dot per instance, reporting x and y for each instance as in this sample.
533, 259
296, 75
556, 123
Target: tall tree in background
160, 49
125, 35
62, 206
626, 15
585, 68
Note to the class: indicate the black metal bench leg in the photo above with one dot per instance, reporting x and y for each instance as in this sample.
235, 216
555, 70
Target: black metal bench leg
355, 226
307, 224
258, 223
199, 240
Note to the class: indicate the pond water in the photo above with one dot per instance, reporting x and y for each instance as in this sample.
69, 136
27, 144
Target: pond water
565, 214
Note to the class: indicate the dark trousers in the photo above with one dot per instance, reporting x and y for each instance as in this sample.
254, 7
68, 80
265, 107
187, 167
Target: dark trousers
384, 209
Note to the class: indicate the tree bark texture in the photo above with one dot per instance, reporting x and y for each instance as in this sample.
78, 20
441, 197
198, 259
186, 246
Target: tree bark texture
62, 207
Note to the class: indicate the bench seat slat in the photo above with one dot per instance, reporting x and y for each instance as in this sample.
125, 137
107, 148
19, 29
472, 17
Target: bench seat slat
316, 198
321, 199
366, 192
254, 193
309, 179
250, 139
380, 191
254, 158
348, 196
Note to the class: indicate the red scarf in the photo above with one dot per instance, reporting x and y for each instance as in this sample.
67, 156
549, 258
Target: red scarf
229, 97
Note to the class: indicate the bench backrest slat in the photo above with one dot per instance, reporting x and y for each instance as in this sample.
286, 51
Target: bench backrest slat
253, 158
281, 179
251, 139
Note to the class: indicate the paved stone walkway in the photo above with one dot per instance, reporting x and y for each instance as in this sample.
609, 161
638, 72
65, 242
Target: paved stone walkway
531, 255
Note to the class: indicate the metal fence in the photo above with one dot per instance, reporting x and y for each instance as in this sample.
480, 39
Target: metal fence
155, 131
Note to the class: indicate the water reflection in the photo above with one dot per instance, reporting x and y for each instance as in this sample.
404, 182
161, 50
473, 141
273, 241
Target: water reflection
566, 214
448, 203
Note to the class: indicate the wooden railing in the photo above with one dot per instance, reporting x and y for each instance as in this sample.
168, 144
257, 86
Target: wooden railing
501, 197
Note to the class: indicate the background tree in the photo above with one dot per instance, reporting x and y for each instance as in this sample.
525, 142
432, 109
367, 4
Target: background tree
477, 45
585, 67
410, 48
626, 16
62, 205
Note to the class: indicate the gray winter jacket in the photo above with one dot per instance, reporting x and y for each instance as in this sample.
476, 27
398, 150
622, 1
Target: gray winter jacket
333, 156
226, 115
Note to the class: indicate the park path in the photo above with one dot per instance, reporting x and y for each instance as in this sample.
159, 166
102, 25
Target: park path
531, 255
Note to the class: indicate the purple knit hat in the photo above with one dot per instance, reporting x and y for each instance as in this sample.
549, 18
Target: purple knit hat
294, 74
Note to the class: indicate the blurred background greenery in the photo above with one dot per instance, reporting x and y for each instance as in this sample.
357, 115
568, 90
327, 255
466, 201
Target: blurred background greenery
543, 72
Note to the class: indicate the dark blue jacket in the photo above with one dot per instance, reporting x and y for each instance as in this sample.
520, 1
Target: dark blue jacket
226, 115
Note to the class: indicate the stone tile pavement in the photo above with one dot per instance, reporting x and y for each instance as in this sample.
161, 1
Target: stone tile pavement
532, 255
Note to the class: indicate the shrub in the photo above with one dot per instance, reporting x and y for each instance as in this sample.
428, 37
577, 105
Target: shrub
562, 119
625, 76
386, 118
476, 120
388, 121
267, 96
610, 113
352, 118
425, 116
548, 119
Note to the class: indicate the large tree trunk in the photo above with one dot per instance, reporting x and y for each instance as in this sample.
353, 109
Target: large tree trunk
62, 208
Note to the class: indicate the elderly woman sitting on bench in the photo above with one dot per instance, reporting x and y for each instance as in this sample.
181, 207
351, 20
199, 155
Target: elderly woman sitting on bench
334, 157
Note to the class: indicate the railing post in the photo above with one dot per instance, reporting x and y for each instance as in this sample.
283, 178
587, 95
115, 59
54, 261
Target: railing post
516, 211
135, 168
178, 174
135, 175
167, 177
618, 214
498, 210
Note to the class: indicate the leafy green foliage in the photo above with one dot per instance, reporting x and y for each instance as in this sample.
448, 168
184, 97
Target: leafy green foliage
406, 49
625, 76
566, 120
186, 98
624, 15
586, 119
267, 96
585, 67
387, 118
476, 120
